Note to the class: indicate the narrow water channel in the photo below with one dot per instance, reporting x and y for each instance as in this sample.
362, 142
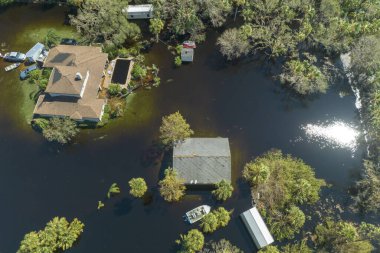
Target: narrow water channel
39, 180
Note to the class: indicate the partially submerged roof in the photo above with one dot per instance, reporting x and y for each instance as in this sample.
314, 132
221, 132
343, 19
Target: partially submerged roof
257, 228
139, 8
187, 54
203, 160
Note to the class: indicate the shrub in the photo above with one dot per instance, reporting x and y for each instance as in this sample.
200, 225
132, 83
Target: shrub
40, 124
138, 187
177, 61
114, 89
216, 219
60, 130
138, 72
191, 242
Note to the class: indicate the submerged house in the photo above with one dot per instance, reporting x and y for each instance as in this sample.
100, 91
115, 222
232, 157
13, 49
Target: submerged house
74, 83
187, 54
34, 53
203, 161
141, 11
256, 228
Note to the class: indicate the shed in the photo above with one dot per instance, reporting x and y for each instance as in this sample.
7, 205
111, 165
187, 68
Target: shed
141, 11
187, 54
256, 228
203, 161
35, 52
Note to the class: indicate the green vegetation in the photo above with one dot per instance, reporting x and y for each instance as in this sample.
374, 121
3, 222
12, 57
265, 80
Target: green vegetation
233, 44
174, 128
177, 61
300, 247
223, 190
115, 107
365, 68
279, 184
342, 236
156, 25
113, 190
61, 130
216, 219
100, 205
222, 246
49, 36
6, 2
114, 89
102, 21
58, 235
138, 187
172, 188
191, 242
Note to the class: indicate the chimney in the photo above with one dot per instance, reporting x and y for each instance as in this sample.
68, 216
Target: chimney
78, 76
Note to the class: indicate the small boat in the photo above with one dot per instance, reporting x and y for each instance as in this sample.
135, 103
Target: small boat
197, 213
189, 44
12, 66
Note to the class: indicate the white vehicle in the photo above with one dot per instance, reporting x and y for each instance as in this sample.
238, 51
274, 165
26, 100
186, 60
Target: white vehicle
197, 213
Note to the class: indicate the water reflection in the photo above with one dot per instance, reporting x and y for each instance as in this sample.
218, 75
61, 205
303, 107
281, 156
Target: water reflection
333, 134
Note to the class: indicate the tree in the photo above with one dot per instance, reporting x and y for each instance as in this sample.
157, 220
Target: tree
174, 128
304, 77
223, 190
103, 21
209, 223
300, 247
172, 188
57, 236
280, 183
156, 25
216, 219
191, 242
114, 189
233, 44
343, 236
216, 11
60, 130
222, 246
138, 187
52, 38
269, 249
116, 107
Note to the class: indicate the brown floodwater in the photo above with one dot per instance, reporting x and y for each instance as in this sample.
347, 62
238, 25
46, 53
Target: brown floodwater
40, 180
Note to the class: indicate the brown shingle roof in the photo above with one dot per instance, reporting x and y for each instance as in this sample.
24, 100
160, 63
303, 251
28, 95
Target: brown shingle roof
67, 61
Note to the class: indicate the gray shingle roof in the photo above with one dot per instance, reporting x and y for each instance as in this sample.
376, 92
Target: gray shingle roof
206, 160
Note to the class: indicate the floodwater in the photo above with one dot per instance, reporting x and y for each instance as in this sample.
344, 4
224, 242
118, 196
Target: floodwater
40, 180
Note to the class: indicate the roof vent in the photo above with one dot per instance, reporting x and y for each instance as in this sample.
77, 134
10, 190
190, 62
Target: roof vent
78, 76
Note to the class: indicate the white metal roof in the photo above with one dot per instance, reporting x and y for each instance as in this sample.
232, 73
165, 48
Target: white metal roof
139, 8
257, 228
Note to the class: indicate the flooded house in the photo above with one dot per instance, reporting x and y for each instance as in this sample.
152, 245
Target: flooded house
203, 161
74, 83
256, 228
140, 11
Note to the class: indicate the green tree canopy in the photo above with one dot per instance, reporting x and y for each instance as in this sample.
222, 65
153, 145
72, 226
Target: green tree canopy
174, 128
138, 187
279, 184
218, 218
223, 190
103, 21
172, 188
233, 44
57, 236
221, 246
156, 25
60, 130
191, 242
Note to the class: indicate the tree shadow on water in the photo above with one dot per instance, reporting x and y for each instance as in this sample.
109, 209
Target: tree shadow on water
153, 155
123, 207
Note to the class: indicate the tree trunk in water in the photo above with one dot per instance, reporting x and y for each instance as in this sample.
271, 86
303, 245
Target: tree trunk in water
236, 10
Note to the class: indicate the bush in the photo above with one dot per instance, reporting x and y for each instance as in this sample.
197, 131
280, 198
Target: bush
177, 61
222, 246
223, 190
138, 72
114, 89
216, 219
40, 124
138, 187
172, 188
116, 107
60, 130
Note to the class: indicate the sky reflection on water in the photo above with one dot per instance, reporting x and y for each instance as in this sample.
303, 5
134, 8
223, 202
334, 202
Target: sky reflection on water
333, 134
